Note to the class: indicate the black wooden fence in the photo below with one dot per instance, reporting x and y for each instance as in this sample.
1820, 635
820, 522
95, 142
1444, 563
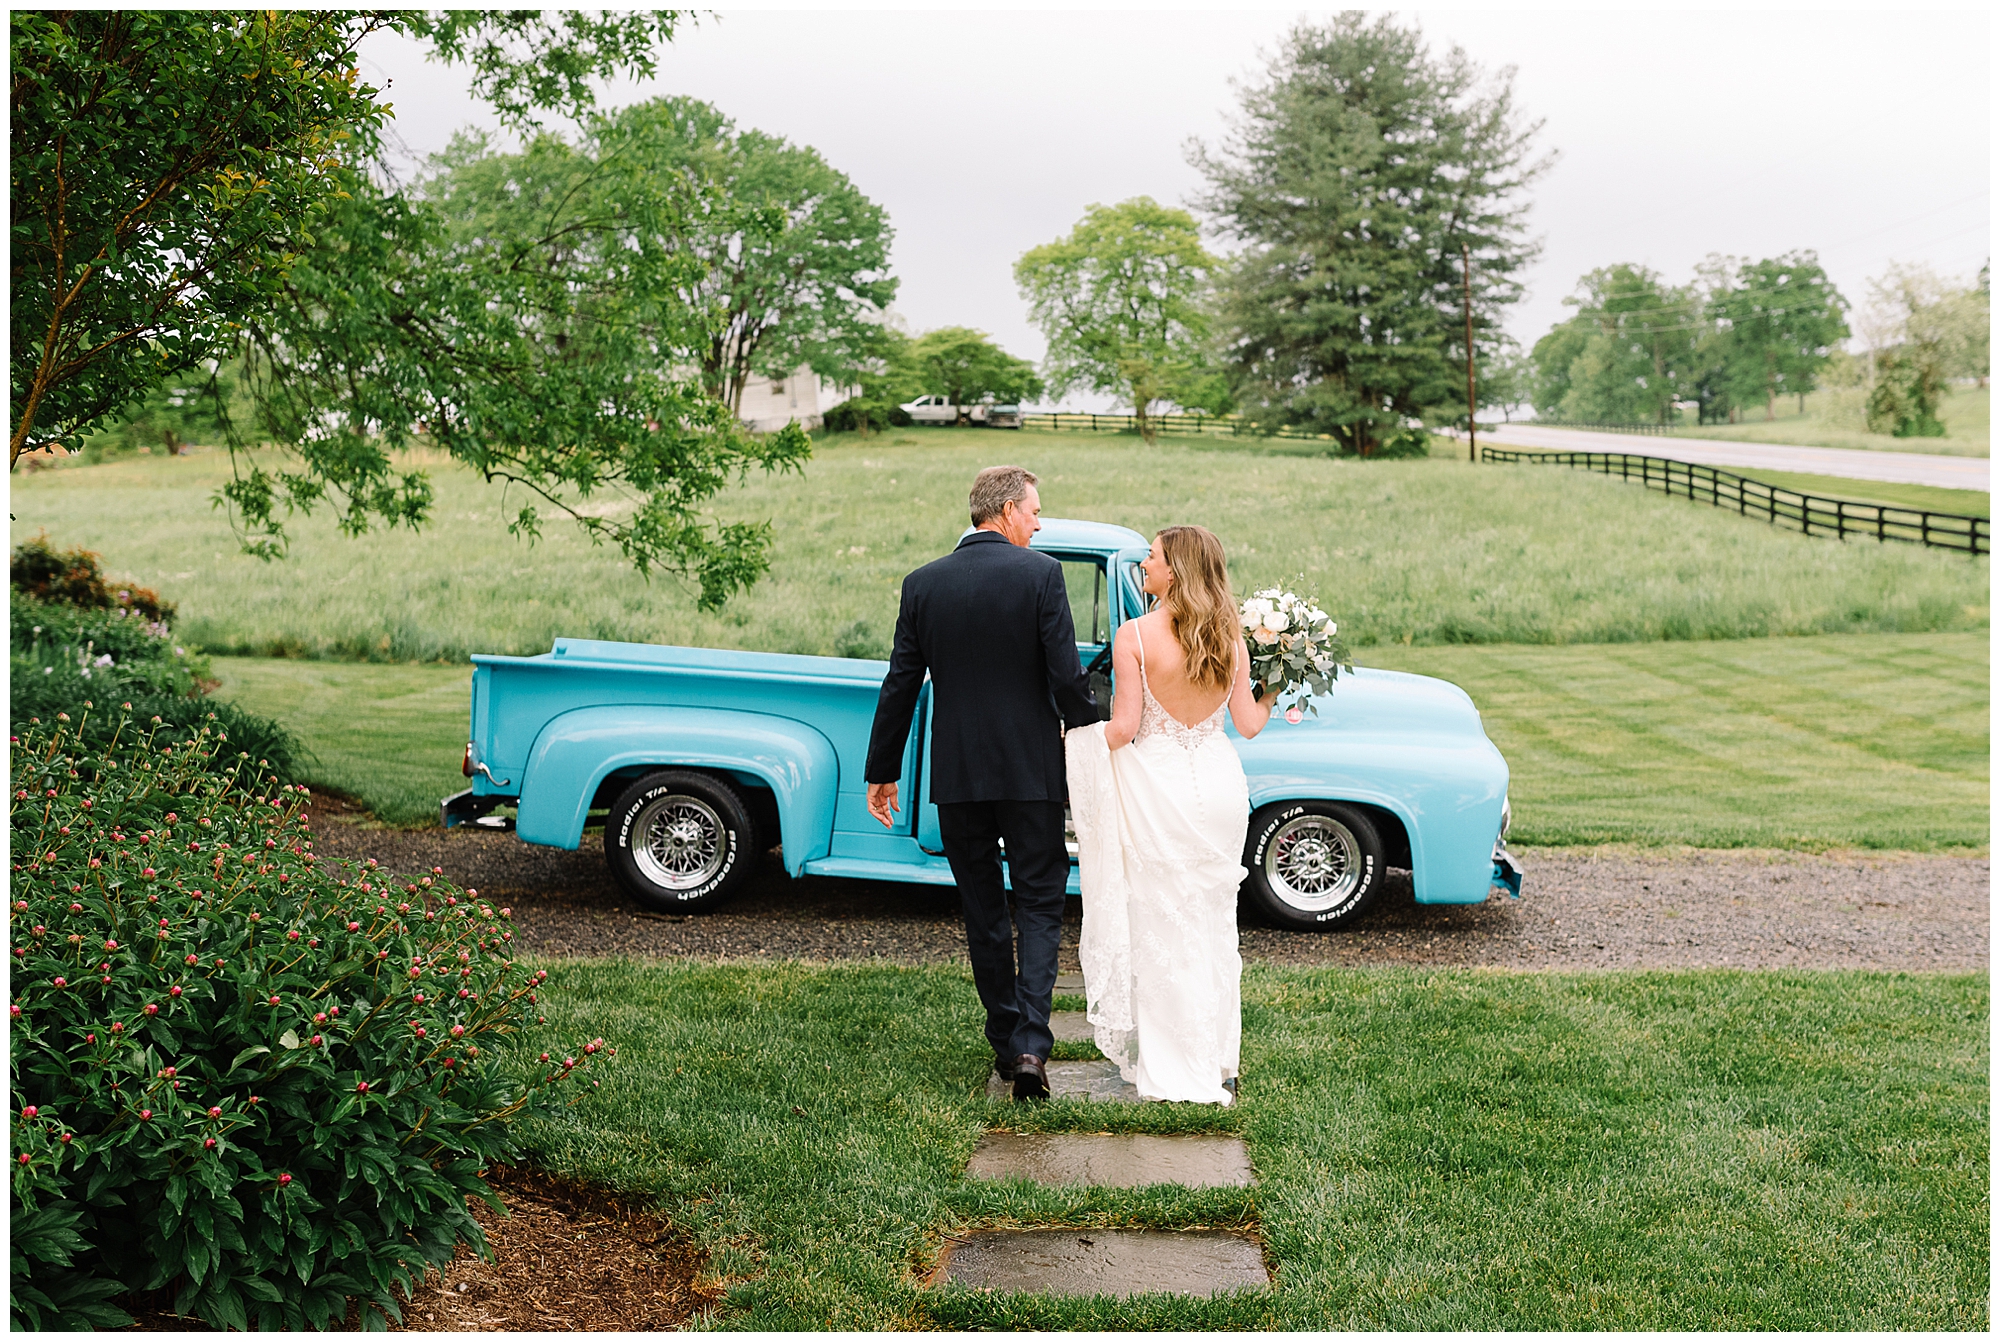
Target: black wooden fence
1658, 430
1210, 426
1810, 513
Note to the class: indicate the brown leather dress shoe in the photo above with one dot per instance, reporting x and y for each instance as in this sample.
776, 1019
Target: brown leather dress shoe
1031, 1079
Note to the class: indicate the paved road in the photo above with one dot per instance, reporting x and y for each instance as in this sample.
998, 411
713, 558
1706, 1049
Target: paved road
1904, 468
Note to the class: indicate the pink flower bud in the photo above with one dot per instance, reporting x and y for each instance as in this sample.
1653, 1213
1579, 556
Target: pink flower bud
361, 1089
284, 1179
24, 1157
354, 927
319, 1018
457, 1031
174, 991
149, 873
274, 1001
30, 1112
62, 983
208, 1144
110, 945
316, 1041
151, 1009
145, 1115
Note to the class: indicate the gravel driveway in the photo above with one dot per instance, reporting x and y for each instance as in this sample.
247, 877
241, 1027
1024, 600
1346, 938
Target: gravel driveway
1584, 909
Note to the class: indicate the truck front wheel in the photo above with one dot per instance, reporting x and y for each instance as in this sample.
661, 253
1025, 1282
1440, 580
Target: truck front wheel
1315, 866
680, 841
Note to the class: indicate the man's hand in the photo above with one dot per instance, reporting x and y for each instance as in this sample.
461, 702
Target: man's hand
882, 803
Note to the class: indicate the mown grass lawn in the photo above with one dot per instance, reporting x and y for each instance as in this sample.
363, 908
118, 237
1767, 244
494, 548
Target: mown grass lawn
1435, 1150
1423, 552
1967, 413
1869, 740
1874, 741
1966, 502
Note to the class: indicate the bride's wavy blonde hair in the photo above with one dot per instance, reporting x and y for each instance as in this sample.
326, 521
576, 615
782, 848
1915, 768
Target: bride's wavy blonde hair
1200, 608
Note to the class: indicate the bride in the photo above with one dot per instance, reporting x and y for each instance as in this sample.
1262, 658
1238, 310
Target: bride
1161, 810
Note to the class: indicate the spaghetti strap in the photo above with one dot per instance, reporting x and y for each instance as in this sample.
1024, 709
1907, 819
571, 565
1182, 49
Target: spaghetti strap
1142, 651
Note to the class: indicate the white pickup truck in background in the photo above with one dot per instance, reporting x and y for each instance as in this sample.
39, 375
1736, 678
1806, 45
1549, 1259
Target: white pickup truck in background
939, 410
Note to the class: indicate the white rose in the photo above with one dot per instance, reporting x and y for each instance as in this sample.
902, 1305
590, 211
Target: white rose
1264, 636
1277, 622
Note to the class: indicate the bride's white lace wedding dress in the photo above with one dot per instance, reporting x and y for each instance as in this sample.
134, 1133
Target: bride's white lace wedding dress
1160, 826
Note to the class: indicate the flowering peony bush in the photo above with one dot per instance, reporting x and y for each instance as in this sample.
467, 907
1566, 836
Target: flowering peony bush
263, 1080
1294, 646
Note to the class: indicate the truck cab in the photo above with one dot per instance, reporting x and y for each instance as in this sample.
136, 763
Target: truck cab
697, 762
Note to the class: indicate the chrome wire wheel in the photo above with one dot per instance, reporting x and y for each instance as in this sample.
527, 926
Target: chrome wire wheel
679, 842
1313, 863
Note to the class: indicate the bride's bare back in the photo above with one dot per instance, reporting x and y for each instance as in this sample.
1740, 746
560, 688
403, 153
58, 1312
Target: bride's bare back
1165, 673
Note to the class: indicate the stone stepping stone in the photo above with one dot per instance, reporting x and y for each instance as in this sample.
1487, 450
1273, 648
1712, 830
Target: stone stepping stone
1105, 1262
1121, 1161
1069, 983
1097, 1079
1071, 1026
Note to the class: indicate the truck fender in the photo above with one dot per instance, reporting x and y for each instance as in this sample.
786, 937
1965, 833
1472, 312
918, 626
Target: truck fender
577, 750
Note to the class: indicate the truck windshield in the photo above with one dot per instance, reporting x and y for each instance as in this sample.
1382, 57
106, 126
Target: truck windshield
1088, 608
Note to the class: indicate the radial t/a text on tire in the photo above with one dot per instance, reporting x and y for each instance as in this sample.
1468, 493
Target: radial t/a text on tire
680, 841
1314, 865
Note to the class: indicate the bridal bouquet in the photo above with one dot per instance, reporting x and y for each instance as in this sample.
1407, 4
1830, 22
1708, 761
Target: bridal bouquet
1294, 647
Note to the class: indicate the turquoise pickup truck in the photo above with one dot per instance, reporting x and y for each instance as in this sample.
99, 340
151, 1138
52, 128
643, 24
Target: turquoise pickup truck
697, 761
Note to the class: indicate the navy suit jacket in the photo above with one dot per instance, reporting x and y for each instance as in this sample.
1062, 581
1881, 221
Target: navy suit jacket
990, 621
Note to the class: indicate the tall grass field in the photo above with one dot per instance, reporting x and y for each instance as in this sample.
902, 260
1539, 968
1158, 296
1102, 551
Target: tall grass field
1419, 553
1434, 1149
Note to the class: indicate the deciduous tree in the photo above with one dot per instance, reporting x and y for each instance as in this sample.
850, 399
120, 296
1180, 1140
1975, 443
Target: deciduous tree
794, 258
967, 368
170, 166
1358, 168
1782, 318
1124, 303
525, 312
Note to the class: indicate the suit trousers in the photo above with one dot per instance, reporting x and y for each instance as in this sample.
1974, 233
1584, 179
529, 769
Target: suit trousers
1015, 993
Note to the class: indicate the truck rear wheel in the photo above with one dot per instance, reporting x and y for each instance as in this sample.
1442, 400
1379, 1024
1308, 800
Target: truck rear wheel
680, 841
1315, 866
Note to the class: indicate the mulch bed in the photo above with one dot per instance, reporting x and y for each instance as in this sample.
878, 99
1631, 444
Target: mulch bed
567, 1258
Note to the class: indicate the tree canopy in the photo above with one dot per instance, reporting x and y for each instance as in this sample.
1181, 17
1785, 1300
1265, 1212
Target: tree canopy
170, 166
1639, 347
1627, 355
1782, 319
794, 259
525, 312
529, 313
1359, 167
966, 368
1124, 303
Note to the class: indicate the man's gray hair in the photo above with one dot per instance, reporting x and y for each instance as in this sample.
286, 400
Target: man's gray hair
995, 488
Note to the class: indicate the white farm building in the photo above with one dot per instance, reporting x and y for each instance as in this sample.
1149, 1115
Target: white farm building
772, 403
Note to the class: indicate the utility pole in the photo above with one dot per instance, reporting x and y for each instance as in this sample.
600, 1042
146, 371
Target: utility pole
1471, 399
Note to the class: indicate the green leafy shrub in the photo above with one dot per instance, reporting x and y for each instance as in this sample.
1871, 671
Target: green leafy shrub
74, 578
67, 647
860, 414
261, 1080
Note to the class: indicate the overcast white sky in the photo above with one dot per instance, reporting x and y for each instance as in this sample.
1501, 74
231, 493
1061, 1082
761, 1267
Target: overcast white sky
1863, 135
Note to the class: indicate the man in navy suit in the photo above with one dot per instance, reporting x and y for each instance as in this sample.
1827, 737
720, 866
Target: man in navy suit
991, 624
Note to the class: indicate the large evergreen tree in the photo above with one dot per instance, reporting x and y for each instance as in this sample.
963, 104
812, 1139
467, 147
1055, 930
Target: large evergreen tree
1361, 170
